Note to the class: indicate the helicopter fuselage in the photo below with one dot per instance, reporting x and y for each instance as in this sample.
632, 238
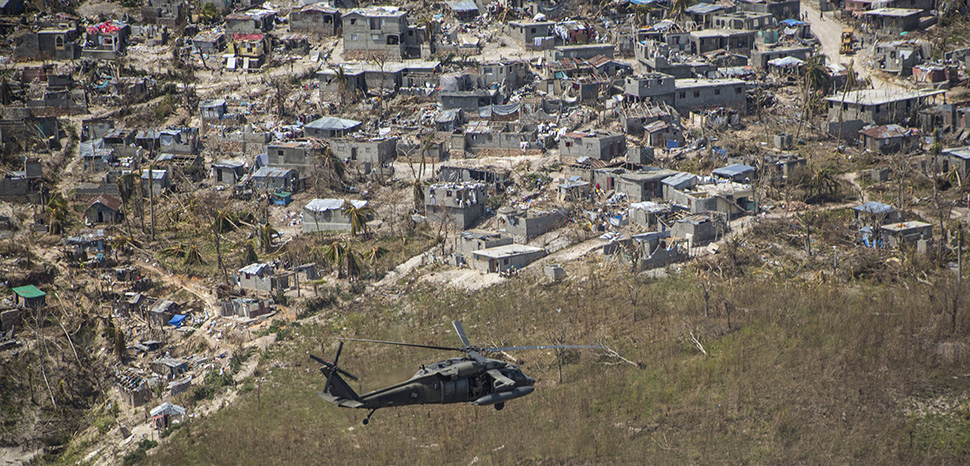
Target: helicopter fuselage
455, 380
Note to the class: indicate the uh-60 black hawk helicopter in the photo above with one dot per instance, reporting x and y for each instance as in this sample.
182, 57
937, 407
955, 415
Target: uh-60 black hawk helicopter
474, 378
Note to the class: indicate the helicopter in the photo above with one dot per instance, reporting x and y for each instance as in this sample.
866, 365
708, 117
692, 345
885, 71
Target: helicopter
473, 378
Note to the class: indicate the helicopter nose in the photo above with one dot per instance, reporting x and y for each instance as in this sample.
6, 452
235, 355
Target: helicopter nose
530, 381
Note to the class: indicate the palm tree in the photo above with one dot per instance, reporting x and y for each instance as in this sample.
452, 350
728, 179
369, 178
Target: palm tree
266, 235
190, 255
814, 78
850, 83
822, 184
679, 7
57, 213
250, 255
124, 244
224, 222
418, 189
372, 255
333, 254
358, 217
333, 168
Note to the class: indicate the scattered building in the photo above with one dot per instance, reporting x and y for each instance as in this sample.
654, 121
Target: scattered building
906, 233
460, 204
505, 258
328, 215
103, 209
262, 277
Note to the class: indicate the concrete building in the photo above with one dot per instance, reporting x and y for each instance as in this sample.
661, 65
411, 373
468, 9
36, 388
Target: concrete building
103, 209
731, 40
893, 21
227, 172
738, 172
875, 107
330, 127
316, 19
471, 241
899, 56
885, 139
581, 52
505, 258
461, 204
731, 199
469, 101
697, 229
524, 226
48, 44
262, 277
250, 21
108, 40
642, 185
328, 215
653, 87
762, 55
697, 94
899, 234
276, 179
533, 35
367, 153
301, 156
512, 73
378, 32
780, 9
875, 214
160, 181
596, 144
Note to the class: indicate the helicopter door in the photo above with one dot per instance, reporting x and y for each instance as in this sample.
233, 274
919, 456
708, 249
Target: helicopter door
454, 391
447, 392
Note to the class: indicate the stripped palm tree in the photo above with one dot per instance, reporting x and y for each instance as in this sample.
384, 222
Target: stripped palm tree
417, 188
679, 7
266, 235
850, 83
372, 255
224, 222
358, 217
250, 252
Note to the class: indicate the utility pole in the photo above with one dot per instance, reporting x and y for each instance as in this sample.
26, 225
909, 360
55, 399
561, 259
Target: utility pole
151, 183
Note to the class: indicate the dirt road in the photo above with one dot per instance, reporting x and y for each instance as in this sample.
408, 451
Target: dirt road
829, 33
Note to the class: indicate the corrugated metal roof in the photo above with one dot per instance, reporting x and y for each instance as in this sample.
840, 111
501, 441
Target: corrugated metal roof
323, 205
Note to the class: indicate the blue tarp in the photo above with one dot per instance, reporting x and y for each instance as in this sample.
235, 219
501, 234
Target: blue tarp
792, 22
177, 320
673, 144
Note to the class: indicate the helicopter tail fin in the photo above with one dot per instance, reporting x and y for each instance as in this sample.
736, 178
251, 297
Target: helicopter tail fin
337, 387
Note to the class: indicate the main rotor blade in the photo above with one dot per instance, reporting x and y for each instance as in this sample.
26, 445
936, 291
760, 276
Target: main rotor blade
520, 348
461, 332
476, 355
415, 345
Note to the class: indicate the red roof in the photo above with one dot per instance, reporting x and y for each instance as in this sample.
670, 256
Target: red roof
107, 201
248, 36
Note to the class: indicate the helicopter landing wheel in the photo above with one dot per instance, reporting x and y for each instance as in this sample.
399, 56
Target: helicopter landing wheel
367, 419
499, 406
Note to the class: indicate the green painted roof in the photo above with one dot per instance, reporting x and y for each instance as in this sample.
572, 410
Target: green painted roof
29, 291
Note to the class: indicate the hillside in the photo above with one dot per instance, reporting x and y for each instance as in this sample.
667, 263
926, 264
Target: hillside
806, 372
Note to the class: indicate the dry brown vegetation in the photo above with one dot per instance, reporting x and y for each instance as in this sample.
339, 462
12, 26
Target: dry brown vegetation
795, 371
